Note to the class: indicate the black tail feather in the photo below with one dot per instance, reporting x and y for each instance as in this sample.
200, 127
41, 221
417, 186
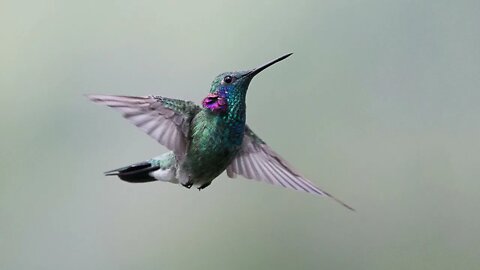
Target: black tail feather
136, 173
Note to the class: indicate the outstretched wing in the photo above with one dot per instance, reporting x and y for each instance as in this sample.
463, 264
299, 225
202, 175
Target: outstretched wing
164, 119
256, 160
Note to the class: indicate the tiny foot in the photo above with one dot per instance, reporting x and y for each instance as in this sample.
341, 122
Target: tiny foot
188, 185
204, 186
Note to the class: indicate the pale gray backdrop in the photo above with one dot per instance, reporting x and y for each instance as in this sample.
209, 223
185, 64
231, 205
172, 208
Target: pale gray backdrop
378, 105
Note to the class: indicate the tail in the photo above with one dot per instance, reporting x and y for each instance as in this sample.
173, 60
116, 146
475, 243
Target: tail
136, 173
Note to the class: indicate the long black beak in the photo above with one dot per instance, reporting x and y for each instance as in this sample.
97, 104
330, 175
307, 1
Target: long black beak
255, 71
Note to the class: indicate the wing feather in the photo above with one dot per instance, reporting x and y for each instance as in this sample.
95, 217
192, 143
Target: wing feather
256, 160
165, 120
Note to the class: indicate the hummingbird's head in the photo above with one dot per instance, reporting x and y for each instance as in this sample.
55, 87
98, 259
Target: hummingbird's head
231, 87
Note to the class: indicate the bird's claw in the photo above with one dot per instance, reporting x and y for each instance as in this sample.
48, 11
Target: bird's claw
188, 185
204, 186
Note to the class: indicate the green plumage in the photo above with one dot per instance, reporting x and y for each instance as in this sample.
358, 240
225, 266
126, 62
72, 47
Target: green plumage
212, 146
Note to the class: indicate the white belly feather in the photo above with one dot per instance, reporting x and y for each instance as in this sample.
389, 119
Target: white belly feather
166, 175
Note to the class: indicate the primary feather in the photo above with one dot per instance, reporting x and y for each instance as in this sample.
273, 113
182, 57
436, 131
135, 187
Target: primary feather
166, 120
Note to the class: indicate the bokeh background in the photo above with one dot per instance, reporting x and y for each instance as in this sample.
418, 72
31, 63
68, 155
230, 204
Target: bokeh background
379, 105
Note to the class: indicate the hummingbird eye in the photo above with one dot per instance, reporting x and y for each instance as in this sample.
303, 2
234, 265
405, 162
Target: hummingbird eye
228, 79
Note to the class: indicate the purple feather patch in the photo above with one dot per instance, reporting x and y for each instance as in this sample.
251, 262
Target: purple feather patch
215, 103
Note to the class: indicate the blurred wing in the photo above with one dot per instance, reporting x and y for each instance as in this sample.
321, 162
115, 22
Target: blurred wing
256, 160
164, 119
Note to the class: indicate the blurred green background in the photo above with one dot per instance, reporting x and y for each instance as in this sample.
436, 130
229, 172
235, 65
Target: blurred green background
378, 105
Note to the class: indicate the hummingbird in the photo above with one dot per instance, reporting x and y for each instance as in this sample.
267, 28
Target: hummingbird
207, 139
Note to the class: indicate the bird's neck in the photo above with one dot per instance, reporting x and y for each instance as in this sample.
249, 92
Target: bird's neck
234, 120
236, 112
228, 105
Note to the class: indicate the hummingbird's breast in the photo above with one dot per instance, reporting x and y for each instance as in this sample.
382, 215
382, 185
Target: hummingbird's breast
215, 142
